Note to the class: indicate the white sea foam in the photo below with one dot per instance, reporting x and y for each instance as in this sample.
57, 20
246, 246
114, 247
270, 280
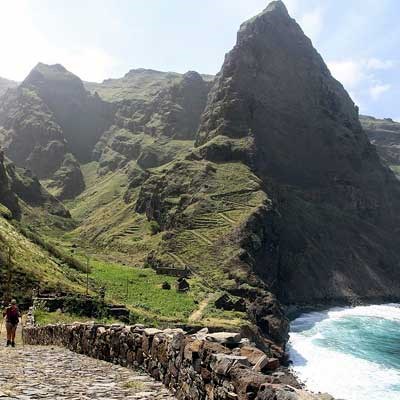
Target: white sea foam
387, 311
342, 375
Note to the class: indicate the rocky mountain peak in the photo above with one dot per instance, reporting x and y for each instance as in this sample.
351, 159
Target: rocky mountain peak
58, 77
275, 12
192, 76
275, 89
276, 6
276, 107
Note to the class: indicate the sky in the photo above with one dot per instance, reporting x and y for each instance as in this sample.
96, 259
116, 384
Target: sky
100, 39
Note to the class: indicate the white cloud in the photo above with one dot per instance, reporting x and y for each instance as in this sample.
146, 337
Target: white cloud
377, 64
377, 90
23, 45
349, 72
359, 76
312, 22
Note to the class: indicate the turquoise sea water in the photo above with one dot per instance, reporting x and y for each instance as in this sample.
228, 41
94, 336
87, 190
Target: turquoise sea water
351, 353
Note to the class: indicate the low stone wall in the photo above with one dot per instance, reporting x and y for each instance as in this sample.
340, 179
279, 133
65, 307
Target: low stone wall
217, 366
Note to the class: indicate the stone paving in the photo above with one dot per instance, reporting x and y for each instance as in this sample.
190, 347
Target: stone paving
36, 372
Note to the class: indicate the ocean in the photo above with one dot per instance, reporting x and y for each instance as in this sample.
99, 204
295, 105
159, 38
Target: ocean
350, 353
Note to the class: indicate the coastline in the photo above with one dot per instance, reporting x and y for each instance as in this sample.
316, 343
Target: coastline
323, 355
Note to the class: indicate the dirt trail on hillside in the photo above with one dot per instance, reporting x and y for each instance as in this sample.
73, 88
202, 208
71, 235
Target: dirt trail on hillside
198, 314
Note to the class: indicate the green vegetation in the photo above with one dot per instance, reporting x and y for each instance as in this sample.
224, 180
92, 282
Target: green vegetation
53, 250
43, 317
216, 199
395, 169
140, 84
135, 385
154, 227
140, 289
100, 191
31, 266
5, 212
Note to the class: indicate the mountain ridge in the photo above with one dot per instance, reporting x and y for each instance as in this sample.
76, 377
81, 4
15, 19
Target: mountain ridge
262, 183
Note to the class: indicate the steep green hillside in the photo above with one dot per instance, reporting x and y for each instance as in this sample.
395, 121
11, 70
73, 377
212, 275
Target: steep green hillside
27, 260
26, 266
137, 84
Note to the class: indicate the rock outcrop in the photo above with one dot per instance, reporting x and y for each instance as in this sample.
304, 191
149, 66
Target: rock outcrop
333, 236
156, 117
81, 116
17, 184
7, 196
147, 115
6, 84
385, 135
218, 366
67, 182
29, 133
48, 121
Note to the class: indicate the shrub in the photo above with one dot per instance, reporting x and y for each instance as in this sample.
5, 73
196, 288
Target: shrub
154, 227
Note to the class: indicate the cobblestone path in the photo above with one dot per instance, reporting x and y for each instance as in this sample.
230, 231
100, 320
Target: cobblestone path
36, 372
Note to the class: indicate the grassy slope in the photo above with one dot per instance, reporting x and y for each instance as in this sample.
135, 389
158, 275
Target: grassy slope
395, 169
135, 85
119, 239
33, 265
43, 317
139, 84
141, 290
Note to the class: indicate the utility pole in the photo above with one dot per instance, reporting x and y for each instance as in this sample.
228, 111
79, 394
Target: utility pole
7, 294
87, 275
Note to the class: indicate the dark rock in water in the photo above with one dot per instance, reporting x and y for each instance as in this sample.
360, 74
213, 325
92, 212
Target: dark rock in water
330, 233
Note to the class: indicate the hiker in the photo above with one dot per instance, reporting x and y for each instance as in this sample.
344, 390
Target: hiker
12, 315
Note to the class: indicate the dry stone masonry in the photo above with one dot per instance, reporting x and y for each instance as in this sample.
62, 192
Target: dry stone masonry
218, 366
45, 372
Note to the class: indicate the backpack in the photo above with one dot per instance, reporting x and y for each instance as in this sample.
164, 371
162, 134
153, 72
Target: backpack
12, 315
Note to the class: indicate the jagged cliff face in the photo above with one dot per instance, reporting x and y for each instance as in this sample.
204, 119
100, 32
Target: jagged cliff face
30, 135
50, 124
156, 117
7, 196
283, 191
385, 135
337, 207
82, 117
18, 185
32, 129
6, 84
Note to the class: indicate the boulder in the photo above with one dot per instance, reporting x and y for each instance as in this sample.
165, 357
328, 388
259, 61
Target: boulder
224, 337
